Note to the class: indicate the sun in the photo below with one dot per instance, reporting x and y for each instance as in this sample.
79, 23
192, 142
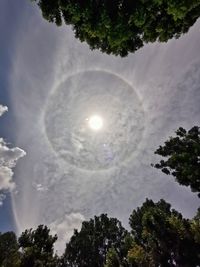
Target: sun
95, 122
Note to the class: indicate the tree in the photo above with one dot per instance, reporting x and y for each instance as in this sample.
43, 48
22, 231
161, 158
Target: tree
183, 157
112, 259
9, 254
117, 257
162, 237
88, 248
38, 248
159, 237
122, 26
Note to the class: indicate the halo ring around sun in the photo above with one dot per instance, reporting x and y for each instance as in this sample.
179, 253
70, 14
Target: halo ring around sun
94, 120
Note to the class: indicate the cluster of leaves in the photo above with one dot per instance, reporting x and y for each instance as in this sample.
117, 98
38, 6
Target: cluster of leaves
122, 26
183, 157
160, 237
89, 247
34, 248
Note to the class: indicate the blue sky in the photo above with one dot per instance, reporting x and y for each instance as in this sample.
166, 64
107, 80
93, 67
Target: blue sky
45, 118
8, 9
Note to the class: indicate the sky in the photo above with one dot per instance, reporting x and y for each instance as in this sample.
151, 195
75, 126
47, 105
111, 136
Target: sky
56, 170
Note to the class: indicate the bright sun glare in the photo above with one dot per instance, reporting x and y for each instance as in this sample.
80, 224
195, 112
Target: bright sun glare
95, 122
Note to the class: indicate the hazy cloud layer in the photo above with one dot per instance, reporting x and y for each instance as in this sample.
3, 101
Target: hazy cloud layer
166, 79
8, 159
64, 228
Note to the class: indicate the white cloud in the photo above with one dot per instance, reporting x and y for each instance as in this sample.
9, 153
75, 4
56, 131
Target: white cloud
64, 228
8, 159
3, 109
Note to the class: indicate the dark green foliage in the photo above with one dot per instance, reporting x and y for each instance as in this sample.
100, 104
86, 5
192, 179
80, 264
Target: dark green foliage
38, 248
116, 257
183, 157
122, 26
9, 254
159, 237
162, 237
88, 248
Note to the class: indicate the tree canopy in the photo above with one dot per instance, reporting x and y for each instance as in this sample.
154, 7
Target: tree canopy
182, 155
88, 248
9, 250
34, 248
37, 248
122, 26
159, 237
162, 237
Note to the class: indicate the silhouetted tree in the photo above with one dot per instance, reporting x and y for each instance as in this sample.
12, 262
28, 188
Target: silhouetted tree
38, 248
88, 248
9, 254
183, 157
122, 26
161, 237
